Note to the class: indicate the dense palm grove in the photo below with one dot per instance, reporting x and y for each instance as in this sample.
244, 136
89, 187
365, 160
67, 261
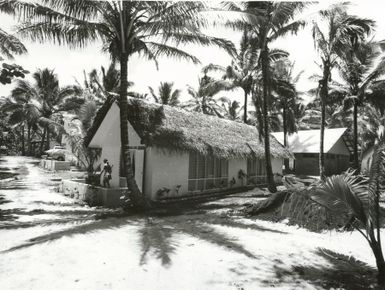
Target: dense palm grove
348, 92
349, 81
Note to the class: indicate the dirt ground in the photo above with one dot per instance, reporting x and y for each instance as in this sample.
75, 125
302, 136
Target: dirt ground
50, 242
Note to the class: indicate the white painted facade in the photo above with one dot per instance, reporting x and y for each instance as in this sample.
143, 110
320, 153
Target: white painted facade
164, 169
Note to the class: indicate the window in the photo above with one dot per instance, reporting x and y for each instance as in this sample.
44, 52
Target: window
256, 171
207, 172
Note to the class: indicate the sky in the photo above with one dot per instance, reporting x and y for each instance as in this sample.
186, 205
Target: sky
69, 64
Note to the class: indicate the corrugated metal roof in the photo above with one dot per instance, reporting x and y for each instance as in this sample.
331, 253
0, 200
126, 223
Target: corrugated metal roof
308, 141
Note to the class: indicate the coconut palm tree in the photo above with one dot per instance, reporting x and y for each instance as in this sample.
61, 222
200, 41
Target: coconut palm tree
80, 126
232, 109
104, 83
49, 99
23, 112
271, 21
166, 95
151, 29
202, 100
285, 97
245, 70
341, 30
359, 68
242, 70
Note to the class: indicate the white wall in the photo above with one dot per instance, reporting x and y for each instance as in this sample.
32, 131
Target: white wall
169, 169
234, 166
276, 164
107, 137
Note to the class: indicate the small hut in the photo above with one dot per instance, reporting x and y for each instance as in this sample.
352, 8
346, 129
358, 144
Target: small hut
305, 145
175, 152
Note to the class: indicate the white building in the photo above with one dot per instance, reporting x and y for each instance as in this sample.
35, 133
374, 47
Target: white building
175, 152
305, 145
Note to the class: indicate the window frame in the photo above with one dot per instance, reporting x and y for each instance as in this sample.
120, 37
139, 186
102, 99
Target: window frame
256, 171
213, 175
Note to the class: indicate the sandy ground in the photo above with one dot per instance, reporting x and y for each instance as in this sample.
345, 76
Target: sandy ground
49, 242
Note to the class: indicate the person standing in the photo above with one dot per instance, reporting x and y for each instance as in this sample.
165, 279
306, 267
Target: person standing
106, 173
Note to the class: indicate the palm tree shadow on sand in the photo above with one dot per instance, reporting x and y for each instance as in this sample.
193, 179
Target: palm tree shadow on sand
158, 234
343, 272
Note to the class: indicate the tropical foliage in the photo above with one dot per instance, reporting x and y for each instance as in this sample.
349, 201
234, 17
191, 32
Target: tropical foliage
40, 103
10, 46
79, 125
273, 20
166, 95
150, 29
342, 29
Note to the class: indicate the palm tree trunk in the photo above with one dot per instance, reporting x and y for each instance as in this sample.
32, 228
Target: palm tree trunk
355, 136
380, 261
324, 93
22, 140
245, 109
265, 77
322, 137
134, 193
47, 146
42, 141
29, 140
285, 161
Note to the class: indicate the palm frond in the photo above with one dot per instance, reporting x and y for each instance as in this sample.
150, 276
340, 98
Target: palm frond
10, 45
343, 193
158, 50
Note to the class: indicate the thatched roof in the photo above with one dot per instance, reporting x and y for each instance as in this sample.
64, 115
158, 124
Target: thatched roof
177, 129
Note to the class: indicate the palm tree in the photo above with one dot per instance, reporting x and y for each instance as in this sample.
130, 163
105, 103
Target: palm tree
50, 99
166, 95
23, 112
80, 126
126, 28
104, 83
202, 100
272, 20
286, 97
231, 109
348, 194
242, 70
359, 68
341, 30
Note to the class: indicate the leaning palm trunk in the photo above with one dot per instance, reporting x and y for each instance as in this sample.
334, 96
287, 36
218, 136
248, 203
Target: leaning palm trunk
266, 131
134, 193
